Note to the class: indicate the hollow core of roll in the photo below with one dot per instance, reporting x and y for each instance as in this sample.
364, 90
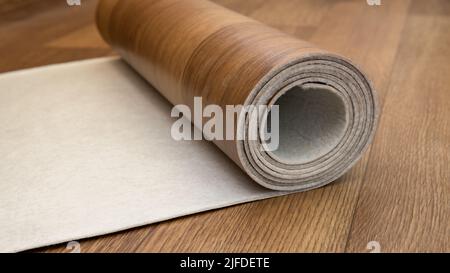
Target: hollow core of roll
312, 121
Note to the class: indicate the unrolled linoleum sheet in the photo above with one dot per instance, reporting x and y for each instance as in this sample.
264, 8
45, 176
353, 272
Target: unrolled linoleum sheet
86, 150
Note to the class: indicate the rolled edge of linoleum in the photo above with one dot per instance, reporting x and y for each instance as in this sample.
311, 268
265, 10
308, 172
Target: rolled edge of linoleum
334, 101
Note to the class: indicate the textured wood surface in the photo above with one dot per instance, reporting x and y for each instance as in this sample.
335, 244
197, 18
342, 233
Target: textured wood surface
196, 48
397, 195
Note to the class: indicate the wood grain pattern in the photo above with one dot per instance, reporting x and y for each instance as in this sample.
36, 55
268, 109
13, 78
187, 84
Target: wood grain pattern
398, 194
406, 203
195, 48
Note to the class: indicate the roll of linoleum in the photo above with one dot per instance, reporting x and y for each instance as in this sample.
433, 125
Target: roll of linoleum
194, 48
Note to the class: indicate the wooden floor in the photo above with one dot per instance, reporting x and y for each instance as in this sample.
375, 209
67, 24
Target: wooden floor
398, 195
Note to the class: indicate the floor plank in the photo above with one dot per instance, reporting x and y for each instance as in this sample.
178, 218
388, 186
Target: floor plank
404, 202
